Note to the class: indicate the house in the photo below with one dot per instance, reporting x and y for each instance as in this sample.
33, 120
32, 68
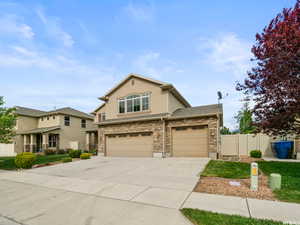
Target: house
58, 129
143, 117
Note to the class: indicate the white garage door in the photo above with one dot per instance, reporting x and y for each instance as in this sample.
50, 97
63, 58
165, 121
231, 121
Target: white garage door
190, 141
129, 145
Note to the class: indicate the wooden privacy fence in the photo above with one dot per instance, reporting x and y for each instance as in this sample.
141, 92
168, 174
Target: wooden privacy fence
242, 144
7, 150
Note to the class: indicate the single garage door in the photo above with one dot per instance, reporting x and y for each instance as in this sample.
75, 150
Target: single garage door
129, 145
190, 141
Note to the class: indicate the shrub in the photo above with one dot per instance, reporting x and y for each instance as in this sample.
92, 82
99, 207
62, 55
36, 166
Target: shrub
255, 154
67, 159
49, 152
93, 151
85, 156
25, 160
61, 151
1, 163
75, 153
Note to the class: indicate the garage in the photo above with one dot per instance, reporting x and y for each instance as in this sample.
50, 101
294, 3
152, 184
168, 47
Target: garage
129, 145
190, 141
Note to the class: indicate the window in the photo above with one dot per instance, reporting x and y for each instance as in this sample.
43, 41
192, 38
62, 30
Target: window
101, 117
145, 102
47, 117
121, 105
83, 123
67, 121
134, 103
53, 117
53, 138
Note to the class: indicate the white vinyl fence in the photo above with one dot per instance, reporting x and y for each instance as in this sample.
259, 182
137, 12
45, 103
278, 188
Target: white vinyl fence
7, 150
242, 144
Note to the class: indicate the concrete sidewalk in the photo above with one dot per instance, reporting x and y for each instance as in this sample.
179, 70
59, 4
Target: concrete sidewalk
262, 209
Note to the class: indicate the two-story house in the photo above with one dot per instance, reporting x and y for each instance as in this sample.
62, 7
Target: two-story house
142, 117
58, 129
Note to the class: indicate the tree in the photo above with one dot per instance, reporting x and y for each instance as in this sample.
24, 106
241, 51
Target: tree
7, 122
225, 130
274, 82
244, 119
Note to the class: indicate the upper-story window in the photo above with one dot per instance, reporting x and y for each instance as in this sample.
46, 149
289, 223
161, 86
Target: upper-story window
67, 121
134, 103
101, 117
83, 123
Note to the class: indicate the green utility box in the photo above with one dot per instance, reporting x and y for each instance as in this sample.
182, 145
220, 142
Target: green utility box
275, 181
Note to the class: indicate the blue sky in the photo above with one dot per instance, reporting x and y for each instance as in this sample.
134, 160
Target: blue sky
67, 53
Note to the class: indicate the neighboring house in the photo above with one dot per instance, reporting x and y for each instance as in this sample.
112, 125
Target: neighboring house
142, 117
58, 129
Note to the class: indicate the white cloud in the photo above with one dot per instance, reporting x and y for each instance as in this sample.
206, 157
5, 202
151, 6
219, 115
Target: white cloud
140, 13
12, 25
227, 53
54, 29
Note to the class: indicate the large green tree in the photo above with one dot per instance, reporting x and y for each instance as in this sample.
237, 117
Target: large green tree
7, 122
244, 119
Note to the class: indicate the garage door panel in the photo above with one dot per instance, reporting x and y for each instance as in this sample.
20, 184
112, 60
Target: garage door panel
188, 142
129, 146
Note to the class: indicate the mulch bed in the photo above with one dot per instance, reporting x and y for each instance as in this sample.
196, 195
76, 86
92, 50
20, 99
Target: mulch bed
51, 163
216, 185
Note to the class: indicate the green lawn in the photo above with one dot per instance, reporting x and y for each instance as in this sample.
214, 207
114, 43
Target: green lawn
9, 162
290, 172
225, 169
199, 217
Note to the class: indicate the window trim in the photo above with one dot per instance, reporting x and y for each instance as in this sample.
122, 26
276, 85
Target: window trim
83, 123
52, 140
134, 97
68, 121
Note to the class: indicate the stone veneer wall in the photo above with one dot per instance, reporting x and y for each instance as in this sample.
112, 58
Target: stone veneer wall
156, 127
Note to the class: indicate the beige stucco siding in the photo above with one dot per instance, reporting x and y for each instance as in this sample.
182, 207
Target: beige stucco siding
173, 103
49, 121
101, 110
74, 132
158, 98
26, 123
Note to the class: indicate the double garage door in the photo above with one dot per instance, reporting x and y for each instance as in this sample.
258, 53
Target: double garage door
186, 142
129, 145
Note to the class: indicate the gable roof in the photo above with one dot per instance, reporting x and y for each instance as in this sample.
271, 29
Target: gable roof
69, 111
163, 85
38, 113
24, 111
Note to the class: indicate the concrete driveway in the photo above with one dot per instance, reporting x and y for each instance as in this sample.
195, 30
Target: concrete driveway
110, 190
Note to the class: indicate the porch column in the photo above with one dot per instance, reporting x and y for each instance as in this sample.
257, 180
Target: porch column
87, 140
45, 141
25, 138
32, 142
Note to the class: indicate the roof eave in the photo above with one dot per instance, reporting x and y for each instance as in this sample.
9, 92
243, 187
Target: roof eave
176, 93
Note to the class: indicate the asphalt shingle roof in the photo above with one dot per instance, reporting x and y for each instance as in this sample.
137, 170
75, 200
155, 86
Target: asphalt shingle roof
39, 130
198, 110
38, 113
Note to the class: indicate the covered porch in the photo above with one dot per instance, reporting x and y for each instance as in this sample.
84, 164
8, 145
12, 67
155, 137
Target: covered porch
39, 139
92, 140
